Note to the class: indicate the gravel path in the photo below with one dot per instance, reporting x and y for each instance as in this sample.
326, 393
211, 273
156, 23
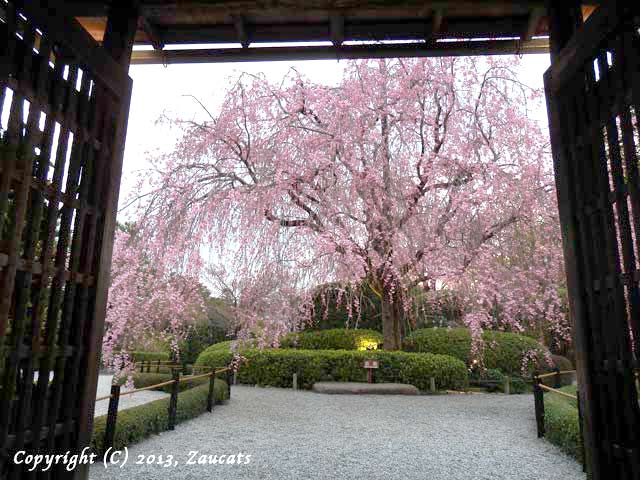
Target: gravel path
305, 435
104, 388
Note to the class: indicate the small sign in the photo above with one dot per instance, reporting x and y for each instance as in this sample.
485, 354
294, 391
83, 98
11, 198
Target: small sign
371, 364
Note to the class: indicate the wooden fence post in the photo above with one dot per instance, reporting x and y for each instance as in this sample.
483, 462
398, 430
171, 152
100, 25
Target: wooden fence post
507, 385
584, 463
157, 366
112, 417
557, 380
173, 401
295, 381
432, 384
538, 396
211, 398
229, 378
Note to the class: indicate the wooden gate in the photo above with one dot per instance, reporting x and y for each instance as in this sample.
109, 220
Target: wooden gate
593, 93
63, 106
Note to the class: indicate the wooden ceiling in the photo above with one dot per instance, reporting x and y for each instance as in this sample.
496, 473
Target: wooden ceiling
348, 28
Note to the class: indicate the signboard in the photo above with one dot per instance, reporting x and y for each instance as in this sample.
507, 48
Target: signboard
371, 364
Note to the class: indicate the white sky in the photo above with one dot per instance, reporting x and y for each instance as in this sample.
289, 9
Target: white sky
158, 89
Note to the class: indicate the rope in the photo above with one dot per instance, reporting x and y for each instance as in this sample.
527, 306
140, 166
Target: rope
169, 382
192, 377
131, 392
555, 373
559, 392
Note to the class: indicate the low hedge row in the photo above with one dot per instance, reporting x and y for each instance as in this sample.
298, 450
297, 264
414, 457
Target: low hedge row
149, 356
275, 367
137, 423
503, 351
562, 424
333, 339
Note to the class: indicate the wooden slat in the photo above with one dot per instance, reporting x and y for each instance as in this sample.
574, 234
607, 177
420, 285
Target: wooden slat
68, 32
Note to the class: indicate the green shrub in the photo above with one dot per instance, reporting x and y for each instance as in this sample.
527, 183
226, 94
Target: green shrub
150, 356
492, 379
334, 339
502, 350
518, 385
275, 367
561, 422
137, 423
224, 346
563, 364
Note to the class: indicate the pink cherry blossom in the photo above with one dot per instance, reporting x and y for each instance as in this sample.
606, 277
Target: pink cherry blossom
411, 172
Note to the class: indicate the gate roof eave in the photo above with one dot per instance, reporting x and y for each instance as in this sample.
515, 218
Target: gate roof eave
248, 30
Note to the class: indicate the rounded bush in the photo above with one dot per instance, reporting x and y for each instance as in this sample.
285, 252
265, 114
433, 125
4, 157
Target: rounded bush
562, 363
275, 367
334, 339
503, 351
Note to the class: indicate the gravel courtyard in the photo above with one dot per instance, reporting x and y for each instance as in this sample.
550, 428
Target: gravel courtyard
301, 435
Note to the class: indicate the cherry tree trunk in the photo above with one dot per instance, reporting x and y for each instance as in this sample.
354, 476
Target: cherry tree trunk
391, 324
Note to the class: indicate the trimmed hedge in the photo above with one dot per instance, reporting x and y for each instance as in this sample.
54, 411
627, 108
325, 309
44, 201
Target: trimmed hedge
561, 422
149, 356
137, 423
275, 367
503, 351
333, 339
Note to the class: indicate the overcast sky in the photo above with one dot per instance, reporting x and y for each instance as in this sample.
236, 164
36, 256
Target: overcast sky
158, 89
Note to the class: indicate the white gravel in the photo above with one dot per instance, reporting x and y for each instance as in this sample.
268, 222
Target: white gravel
302, 435
128, 401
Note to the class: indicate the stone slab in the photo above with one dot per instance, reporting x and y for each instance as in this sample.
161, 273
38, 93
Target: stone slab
358, 388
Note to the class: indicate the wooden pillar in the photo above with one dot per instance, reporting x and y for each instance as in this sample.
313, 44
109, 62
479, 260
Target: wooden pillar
118, 43
565, 18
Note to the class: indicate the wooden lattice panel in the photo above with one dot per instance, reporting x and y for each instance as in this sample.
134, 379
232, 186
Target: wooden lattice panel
594, 100
60, 104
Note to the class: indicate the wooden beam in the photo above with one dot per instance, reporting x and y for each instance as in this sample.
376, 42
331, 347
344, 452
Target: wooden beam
534, 20
256, 54
155, 38
336, 30
121, 30
564, 19
351, 30
240, 25
436, 22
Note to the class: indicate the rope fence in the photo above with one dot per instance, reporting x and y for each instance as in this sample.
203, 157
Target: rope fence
114, 396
